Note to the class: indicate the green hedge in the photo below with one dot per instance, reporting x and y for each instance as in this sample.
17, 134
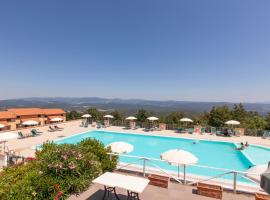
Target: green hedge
57, 171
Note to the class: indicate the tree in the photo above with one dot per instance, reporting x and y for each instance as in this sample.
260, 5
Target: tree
142, 115
267, 120
219, 115
117, 115
73, 115
256, 123
173, 118
96, 115
239, 113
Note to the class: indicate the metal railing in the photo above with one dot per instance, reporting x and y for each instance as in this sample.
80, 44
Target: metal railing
142, 165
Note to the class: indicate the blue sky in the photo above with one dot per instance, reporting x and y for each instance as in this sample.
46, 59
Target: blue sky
179, 50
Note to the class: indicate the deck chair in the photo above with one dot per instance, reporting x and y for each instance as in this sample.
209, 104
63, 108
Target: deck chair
213, 131
266, 134
51, 129
34, 133
20, 135
203, 129
191, 130
57, 127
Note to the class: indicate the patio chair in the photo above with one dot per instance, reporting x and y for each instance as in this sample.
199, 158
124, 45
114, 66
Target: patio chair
99, 125
51, 129
203, 130
266, 134
82, 124
237, 133
180, 130
191, 130
21, 135
36, 130
57, 127
34, 133
213, 131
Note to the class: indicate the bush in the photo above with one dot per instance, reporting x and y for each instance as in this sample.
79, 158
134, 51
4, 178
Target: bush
57, 172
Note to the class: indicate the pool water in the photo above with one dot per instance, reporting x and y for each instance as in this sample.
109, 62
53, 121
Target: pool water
210, 153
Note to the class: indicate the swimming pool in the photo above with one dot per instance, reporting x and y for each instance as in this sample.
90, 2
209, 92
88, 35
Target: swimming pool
210, 153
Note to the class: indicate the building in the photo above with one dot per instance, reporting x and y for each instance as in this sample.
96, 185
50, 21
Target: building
14, 118
7, 120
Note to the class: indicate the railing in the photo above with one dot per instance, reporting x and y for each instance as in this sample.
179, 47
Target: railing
146, 162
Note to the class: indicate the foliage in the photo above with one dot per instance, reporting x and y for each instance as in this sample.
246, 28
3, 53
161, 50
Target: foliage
117, 116
96, 115
142, 115
252, 121
73, 115
57, 171
267, 120
219, 115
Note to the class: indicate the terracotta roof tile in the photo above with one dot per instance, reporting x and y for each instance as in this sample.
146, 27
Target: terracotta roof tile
53, 111
7, 115
25, 111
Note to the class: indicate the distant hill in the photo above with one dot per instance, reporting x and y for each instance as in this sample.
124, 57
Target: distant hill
127, 106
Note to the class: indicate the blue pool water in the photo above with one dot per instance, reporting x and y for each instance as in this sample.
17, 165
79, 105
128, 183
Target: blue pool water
210, 153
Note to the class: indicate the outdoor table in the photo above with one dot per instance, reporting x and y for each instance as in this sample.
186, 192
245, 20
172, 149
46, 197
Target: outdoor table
133, 185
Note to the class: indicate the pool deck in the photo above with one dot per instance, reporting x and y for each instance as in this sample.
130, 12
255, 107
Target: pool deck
174, 192
24, 146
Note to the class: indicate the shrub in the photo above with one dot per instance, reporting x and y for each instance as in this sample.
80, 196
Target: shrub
57, 171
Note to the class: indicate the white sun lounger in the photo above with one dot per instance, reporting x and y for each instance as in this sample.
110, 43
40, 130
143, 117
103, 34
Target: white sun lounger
133, 185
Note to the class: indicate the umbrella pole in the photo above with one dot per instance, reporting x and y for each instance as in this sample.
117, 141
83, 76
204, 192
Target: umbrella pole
184, 174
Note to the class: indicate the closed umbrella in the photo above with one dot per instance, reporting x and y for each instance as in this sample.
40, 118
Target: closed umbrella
120, 147
30, 123
179, 157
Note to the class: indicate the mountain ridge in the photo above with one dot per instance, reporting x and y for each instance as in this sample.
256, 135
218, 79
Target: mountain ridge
125, 105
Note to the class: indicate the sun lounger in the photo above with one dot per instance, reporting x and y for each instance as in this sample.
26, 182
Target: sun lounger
21, 135
111, 181
98, 125
266, 135
51, 129
213, 131
180, 130
57, 127
237, 133
203, 130
37, 131
34, 133
191, 130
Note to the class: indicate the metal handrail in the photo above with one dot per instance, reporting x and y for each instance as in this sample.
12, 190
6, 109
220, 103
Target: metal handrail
150, 160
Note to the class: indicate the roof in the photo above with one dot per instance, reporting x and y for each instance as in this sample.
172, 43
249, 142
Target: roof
53, 117
53, 111
35, 111
26, 111
7, 115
